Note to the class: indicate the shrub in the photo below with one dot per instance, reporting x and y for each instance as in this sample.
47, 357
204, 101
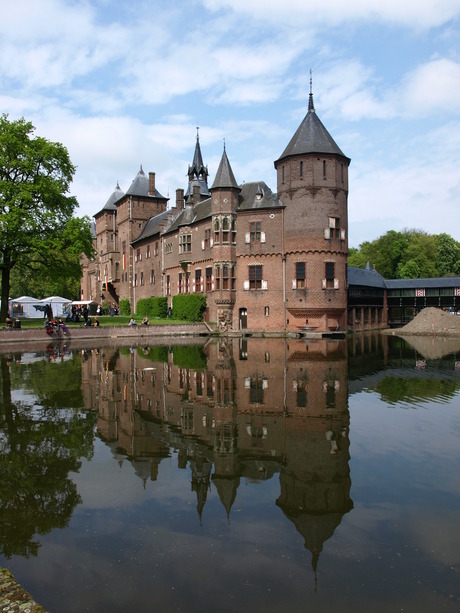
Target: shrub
125, 306
152, 307
190, 307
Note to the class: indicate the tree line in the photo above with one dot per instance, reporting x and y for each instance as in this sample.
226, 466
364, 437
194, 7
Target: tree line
409, 254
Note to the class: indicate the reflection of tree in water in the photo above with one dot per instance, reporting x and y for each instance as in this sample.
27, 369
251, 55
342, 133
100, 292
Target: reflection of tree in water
40, 445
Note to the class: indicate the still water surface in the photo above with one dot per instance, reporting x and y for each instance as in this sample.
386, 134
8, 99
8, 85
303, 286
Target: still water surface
240, 475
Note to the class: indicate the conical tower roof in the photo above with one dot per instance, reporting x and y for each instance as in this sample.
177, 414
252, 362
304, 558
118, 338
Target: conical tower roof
198, 172
311, 137
110, 205
224, 176
116, 195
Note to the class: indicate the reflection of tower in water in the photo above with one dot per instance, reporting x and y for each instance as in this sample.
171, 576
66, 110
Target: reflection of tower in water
315, 478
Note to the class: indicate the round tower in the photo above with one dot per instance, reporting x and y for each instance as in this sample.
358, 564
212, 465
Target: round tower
312, 183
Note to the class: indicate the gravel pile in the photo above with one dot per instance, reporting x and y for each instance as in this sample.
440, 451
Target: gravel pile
433, 321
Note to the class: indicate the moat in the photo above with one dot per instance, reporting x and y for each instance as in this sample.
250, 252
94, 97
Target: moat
233, 475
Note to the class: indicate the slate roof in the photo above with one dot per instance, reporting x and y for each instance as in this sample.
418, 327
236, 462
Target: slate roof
311, 137
153, 226
257, 195
140, 186
367, 277
197, 173
371, 278
110, 205
224, 176
423, 283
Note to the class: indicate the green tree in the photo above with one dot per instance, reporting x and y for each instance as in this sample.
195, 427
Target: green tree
35, 176
55, 270
447, 255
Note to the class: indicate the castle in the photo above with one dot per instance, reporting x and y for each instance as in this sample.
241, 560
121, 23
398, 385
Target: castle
265, 261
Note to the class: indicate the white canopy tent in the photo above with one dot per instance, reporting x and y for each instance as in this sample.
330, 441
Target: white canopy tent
58, 304
24, 306
32, 308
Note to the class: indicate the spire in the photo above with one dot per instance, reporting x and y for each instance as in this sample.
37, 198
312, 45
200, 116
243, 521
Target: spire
197, 172
311, 136
224, 176
311, 106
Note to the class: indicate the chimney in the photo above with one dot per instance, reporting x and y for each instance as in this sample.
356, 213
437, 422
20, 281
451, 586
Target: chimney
151, 184
180, 199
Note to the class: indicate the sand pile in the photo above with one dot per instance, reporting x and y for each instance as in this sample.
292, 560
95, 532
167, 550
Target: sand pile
433, 321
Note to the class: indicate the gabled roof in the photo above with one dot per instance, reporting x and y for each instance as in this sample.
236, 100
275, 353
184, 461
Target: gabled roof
311, 137
224, 176
257, 195
153, 226
140, 186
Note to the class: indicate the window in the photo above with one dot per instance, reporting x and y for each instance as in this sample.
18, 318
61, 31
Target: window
225, 277
225, 229
254, 231
168, 285
330, 274
216, 230
198, 287
152, 276
185, 243
301, 169
234, 276
168, 248
142, 278
255, 276
324, 169
208, 279
300, 275
334, 227
217, 277
147, 253
256, 391
233, 230
156, 248
267, 311
181, 281
207, 238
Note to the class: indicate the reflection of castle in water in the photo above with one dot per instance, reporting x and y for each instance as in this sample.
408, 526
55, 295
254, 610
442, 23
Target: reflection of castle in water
249, 409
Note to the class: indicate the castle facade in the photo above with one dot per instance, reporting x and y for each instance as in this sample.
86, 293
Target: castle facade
265, 261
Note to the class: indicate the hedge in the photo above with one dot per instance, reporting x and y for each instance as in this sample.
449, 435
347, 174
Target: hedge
125, 306
153, 307
189, 307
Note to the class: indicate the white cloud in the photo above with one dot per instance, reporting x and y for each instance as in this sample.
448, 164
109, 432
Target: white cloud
409, 13
432, 87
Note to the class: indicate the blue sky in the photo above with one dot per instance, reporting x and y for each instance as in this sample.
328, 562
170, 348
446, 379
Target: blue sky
124, 83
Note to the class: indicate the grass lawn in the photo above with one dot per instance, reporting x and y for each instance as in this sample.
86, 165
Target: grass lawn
104, 320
